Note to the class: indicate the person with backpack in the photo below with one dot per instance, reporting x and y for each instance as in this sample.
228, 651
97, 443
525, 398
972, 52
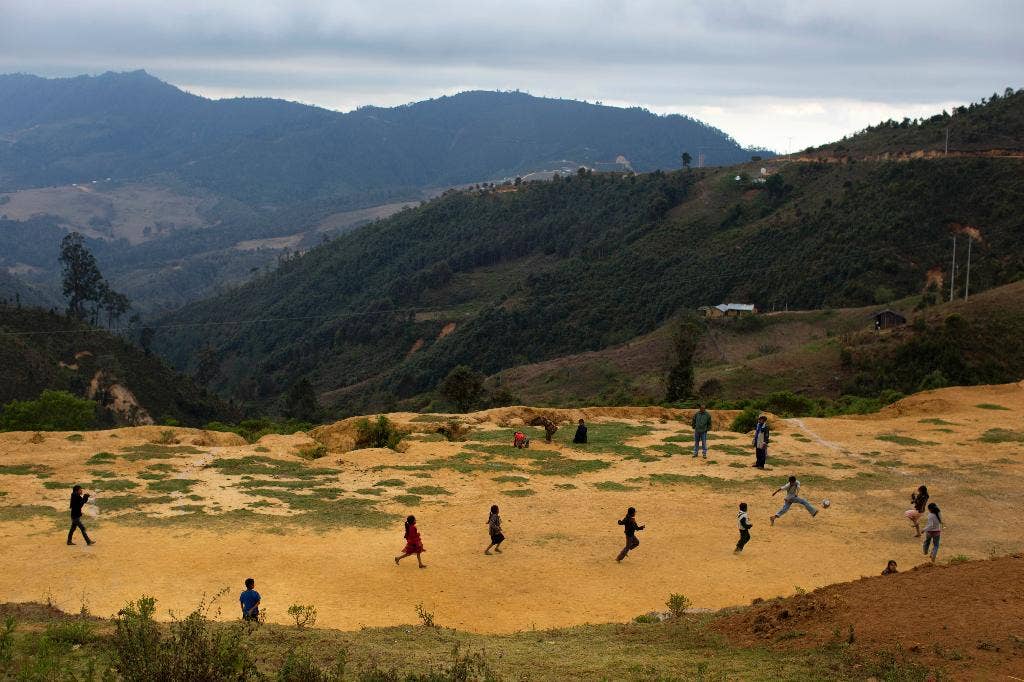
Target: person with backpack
743, 521
933, 530
78, 501
413, 542
701, 424
630, 528
761, 438
792, 488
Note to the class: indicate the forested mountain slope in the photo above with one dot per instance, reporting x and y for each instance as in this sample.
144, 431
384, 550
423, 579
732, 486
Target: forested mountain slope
262, 151
495, 279
40, 350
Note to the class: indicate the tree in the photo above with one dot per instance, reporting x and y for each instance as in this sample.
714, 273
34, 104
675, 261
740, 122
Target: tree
301, 402
52, 411
82, 281
687, 159
146, 339
114, 304
207, 365
680, 376
464, 387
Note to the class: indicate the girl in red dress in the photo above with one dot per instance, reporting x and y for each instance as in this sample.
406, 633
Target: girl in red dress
413, 543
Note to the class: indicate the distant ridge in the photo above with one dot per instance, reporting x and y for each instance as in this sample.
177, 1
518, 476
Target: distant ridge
132, 125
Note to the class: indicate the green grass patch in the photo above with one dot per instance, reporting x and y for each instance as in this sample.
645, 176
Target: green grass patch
261, 448
408, 500
325, 508
671, 449
390, 483
57, 485
152, 476
122, 502
936, 421
711, 482
101, 458
189, 508
613, 487
991, 406
511, 479
75, 438
565, 486
134, 453
518, 492
463, 462
304, 484
904, 440
103, 474
258, 465
172, 485
25, 512
370, 491
1002, 436
37, 470
840, 465
738, 465
428, 490
887, 463
734, 450
113, 485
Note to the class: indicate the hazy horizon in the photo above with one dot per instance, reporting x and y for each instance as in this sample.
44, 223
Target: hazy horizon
783, 77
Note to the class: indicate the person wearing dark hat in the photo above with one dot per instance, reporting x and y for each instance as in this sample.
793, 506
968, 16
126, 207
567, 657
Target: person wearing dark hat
761, 436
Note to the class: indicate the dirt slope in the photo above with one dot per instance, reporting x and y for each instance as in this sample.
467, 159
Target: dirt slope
967, 618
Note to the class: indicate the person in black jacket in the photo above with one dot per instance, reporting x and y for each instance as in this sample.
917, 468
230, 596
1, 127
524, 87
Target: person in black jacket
78, 501
761, 438
581, 433
631, 528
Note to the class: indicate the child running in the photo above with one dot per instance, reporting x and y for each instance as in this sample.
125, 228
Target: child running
494, 528
933, 529
631, 527
743, 521
413, 542
919, 499
792, 489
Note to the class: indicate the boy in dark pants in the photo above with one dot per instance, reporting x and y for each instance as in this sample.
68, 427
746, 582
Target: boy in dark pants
78, 501
743, 522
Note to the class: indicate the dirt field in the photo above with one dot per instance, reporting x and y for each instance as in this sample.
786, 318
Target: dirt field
176, 520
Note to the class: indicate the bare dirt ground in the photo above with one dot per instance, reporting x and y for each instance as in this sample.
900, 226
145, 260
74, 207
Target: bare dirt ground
176, 520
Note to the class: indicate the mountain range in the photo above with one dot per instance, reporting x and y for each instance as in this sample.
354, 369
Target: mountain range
180, 195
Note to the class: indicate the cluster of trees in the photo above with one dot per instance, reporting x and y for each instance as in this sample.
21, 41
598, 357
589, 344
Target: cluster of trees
89, 295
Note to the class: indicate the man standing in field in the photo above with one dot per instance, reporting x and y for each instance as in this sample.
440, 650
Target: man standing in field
761, 435
792, 489
78, 501
701, 425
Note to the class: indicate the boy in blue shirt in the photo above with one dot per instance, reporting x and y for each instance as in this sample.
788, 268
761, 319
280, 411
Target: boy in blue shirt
250, 601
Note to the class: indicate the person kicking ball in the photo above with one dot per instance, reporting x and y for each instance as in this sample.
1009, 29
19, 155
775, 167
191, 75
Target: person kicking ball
792, 489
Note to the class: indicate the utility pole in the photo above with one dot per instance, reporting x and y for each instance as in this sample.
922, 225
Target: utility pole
789, 145
946, 152
952, 270
967, 285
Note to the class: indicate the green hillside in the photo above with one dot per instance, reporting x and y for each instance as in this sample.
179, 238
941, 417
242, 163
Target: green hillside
592, 261
995, 123
40, 350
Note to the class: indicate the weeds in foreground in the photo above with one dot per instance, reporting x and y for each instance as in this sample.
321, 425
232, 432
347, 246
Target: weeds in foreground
304, 616
677, 605
426, 617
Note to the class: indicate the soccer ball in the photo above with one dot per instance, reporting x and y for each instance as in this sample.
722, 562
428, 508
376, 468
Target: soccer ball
826, 503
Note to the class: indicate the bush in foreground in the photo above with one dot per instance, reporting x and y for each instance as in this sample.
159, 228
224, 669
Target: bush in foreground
51, 411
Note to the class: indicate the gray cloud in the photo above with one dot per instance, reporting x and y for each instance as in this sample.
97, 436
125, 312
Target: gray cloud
737, 61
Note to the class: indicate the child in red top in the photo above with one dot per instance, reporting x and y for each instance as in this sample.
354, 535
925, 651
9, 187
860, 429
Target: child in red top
413, 543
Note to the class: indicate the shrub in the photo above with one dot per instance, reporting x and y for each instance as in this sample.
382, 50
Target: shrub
303, 615
745, 421
299, 667
453, 431
788, 404
166, 437
7, 642
74, 631
464, 387
313, 451
378, 434
677, 605
195, 649
51, 411
426, 617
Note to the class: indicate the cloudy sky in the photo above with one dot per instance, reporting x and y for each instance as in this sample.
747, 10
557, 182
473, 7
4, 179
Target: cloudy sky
777, 73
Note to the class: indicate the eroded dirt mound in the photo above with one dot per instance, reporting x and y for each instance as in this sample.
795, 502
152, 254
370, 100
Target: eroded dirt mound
971, 612
944, 400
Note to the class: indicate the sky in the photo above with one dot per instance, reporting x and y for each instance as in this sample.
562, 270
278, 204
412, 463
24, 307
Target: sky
779, 74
